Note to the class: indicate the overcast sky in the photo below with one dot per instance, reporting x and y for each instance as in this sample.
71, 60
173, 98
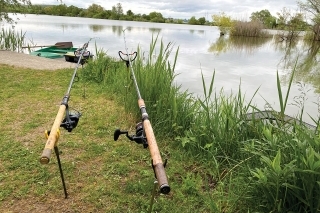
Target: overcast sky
187, 8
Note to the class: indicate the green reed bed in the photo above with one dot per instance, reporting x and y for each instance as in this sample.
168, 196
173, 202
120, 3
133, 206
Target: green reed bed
240, 165
11, 40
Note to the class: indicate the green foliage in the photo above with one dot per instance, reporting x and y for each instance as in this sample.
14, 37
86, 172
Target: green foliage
223, 21
94, 10
265, 17
193, 21
156, 17
11, 6
202, 20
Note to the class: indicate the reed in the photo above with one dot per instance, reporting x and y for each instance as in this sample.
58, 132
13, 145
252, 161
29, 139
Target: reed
12, 40
248, 29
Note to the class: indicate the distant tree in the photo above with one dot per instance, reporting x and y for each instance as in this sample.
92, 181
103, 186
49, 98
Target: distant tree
145, 17
193, 21
74, 11
93, 10
265, 17
129, 13
202, 20
156, 17
60, 10
116, 12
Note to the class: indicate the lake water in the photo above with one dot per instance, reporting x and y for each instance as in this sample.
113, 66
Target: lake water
253, 63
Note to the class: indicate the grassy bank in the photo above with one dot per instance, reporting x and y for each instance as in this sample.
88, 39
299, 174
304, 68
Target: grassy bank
101, 175
243, 162
218, 160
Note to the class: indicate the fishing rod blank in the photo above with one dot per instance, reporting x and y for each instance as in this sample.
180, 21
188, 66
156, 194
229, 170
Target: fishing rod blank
69, 122
145, 134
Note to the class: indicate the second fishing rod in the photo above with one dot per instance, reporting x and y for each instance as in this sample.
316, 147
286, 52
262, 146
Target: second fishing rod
144, 130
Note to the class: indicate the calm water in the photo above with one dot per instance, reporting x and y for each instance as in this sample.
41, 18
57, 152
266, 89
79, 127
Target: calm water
250, 62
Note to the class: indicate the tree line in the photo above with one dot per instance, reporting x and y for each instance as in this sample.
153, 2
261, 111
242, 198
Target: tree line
98, 12
285, 19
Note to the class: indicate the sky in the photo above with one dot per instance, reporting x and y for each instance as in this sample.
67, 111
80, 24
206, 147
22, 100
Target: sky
187, 8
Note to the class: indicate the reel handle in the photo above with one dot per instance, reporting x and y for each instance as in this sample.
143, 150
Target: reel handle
117, 133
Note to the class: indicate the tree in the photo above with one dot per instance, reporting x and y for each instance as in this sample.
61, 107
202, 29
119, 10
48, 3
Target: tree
265, 17
129, 13
156, 17
94, 10
116, 11
291, 22
223, 21
6, 5
13, 5
312, 7
193, 21
202, 20
73, 10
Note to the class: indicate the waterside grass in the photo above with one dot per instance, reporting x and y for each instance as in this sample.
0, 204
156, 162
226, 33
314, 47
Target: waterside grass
11, 40
239, 158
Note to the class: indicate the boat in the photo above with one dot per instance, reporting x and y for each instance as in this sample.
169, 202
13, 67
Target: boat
74, 56
55, 51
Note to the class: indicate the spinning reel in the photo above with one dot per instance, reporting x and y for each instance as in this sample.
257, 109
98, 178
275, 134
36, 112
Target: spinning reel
71, 120
139, 138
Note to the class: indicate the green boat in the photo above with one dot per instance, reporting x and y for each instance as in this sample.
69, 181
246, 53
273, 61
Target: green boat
56, 51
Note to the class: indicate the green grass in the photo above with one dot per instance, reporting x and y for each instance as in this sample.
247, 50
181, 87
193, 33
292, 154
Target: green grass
101, 175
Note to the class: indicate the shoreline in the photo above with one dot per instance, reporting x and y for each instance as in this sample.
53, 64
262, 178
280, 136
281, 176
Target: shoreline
33, 62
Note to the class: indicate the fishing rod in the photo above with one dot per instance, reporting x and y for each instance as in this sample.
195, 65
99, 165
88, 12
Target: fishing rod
64, 118
144, 132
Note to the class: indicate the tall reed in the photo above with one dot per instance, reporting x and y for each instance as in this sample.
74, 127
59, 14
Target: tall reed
12, 40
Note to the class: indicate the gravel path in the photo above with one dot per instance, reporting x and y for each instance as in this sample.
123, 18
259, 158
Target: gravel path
33, 62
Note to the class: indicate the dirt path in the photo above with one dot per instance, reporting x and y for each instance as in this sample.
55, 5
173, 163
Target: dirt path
33, 62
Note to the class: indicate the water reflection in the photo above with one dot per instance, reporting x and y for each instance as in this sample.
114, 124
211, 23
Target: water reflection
118, 30
302, 56
97, 28
237, 44
65, 27
155, 30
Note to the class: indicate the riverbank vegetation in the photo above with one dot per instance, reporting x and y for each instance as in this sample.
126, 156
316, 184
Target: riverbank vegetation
219, 159
243, 163
11, 40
